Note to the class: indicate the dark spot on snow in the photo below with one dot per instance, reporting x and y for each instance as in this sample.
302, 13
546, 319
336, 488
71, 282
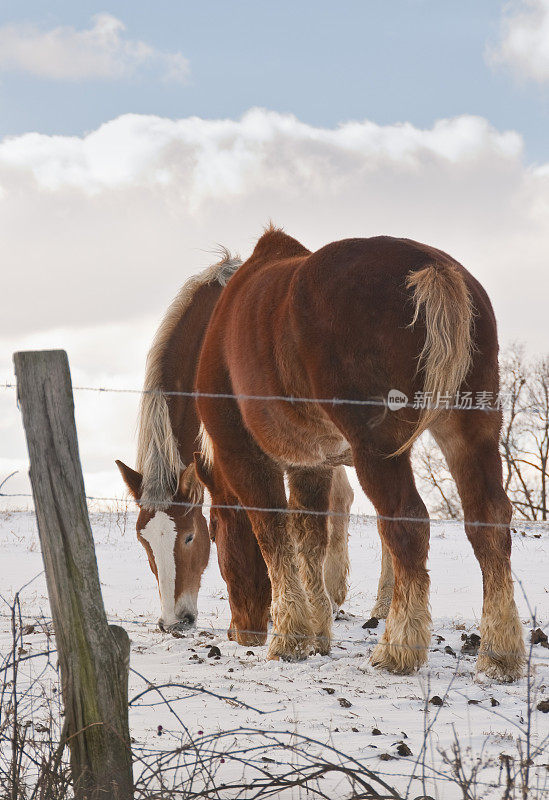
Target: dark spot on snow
376, 732
436, 700
471, 643
373, 622
344, 703
539, 637
214, 652
404, 750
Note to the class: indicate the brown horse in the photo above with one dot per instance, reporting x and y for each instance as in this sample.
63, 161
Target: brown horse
175, 538
355, 320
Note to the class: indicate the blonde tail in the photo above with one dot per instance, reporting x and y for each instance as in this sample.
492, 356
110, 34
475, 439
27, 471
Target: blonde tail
441, 293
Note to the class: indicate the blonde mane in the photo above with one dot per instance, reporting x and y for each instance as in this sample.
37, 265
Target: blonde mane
158, 457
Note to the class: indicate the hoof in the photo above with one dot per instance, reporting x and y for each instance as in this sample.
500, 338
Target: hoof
322, 646
397, 659
342, 614
289, 648
503, 669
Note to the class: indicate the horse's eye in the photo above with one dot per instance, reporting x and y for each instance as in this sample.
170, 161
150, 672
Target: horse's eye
189, 538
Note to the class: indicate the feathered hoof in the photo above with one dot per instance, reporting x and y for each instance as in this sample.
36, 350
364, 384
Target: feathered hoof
397, 659
322, 646
288, 647
503, 668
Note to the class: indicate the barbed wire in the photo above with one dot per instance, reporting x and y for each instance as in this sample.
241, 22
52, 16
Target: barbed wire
293, 400
356, 517
290, 399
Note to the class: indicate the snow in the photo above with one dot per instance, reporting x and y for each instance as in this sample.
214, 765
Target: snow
299, 697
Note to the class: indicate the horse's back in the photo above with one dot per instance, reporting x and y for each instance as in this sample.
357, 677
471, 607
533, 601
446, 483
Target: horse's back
373, 268
336, 322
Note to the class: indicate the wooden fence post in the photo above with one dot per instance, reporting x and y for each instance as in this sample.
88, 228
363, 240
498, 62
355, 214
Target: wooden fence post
93, 656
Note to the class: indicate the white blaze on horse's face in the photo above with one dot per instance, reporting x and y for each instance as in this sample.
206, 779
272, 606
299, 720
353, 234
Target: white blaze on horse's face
161, 534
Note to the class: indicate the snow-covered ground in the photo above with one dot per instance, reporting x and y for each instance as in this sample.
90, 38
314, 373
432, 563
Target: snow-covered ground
337, 699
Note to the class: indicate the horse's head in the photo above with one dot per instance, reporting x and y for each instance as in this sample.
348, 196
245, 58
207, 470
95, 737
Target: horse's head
175, 538
240, 561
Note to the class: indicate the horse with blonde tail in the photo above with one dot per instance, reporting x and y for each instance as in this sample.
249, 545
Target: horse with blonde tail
355, 320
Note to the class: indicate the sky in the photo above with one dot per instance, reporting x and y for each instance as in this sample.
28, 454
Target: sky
135, 137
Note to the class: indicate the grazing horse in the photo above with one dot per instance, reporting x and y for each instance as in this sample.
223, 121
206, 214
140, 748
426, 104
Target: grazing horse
355, 320
174, 537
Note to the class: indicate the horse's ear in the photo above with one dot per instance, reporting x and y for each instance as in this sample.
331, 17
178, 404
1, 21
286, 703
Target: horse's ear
203, 472
189, 485
131, 478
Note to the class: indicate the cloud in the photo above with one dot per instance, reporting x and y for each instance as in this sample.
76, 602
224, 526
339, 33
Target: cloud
523, 46
101, 51
98, 232
215, 158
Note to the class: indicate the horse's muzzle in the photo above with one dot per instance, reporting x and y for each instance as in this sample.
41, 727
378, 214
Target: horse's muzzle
180, 627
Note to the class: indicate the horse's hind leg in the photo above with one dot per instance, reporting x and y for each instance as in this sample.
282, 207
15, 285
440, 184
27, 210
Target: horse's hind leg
336, 565
310, 491
386, 581
389, 483
470, 446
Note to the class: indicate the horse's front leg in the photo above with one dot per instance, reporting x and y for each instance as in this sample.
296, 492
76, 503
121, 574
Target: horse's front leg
390, 485
259, 484
386, 583
336, 565
310, 491
293, 634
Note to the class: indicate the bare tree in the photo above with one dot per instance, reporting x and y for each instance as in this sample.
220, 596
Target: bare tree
524, 443
436, 483
525, 434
